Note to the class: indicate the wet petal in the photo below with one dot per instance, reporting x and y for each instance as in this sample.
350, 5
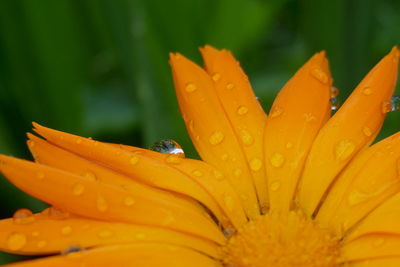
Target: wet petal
387, 262
243, 111
142, 254
210, 130
84, 196
367, 182
45, 233
298, 113
352, 128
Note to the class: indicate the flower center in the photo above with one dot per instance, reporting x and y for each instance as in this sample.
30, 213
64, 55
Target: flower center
273, 240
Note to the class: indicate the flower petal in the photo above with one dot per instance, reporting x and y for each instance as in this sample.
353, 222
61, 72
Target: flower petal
243, 111
352, 128
214, 182
210, 130
371, 247
385, 219
369, 180
133, 164
299, 111
387, 262
45, 234
84, 196
131, 255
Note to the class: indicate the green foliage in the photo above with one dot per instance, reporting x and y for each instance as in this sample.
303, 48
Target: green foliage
100, 68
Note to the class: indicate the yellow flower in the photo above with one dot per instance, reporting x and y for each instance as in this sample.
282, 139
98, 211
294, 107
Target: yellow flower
296, 188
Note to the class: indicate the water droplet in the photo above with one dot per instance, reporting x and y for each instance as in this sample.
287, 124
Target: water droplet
90, 176
40, 175
320, 75
218, 175
255, 164
16, 241
104, 234
101, 204
134, 160
392, 105
173, 159
23, 216
275, 112
228, 202
72, 249
78, 189
168, 146
367, 131
66, 230
247, 138
190, 87
41, 244
56, 213
242, 110
197, 173
216, 138
378, 242
344, 149
275, 186
289, 145
277, 160
335, 104
129, 201
224, 157
334, 92
216, 77
237, 172
230, 86
367, 91
309, 117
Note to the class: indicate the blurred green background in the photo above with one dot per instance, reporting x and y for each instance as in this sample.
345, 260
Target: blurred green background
100, 68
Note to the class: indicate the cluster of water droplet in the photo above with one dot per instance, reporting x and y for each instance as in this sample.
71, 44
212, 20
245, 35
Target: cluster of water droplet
392, 105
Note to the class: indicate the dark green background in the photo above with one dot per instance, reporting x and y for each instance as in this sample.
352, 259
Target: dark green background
100, 68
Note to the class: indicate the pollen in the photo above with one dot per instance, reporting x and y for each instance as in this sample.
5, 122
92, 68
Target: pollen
277, 240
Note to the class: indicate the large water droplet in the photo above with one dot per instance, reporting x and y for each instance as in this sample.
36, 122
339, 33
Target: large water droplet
168, 146
392, 105
23, 216
16, 241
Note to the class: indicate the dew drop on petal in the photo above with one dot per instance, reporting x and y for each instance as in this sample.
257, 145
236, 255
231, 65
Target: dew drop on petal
309, 117
78, 189
56, 213
218, 175
134, 160
237, 172
168, 146
247, 138
242, 110
335, 104
230, 86
16, 241
277, 160
40, 175
23, 216
190, 87
224, 156
275, 112
255, 164
367, 131
320, 75
101, 204
216, 76
71, 249
66, 230
197, 173
334, 92
392, 105
216, 138
367, 91
79, 141
344, 149
173, 159
90, 175
129, 201
275, 186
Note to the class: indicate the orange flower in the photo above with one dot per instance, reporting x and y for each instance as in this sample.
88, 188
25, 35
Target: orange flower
296, 188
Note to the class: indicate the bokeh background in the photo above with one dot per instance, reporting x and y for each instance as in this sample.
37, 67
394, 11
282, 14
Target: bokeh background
99, 68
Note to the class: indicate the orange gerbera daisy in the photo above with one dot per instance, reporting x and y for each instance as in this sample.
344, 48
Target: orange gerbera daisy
296, 188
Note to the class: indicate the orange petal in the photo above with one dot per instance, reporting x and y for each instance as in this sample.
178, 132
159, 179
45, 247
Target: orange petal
213, 181
87, 197
369, 180
45, 234
51, 155
242, 110
385, 219
387, 262
352, 128
210, 130
133, 164
299, 111
130, 255
371, 247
